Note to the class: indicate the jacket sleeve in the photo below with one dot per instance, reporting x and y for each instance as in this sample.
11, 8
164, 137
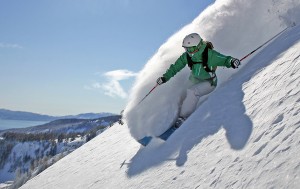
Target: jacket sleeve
218, 59
176, 67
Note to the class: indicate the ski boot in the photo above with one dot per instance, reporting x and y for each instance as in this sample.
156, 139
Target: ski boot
179, 122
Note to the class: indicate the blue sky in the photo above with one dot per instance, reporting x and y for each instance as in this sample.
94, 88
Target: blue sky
62, 57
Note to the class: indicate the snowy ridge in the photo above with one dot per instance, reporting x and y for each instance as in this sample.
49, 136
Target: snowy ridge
29, 116
245, 135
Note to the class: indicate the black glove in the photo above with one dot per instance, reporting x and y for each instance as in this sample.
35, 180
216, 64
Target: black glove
161, 80
235, 63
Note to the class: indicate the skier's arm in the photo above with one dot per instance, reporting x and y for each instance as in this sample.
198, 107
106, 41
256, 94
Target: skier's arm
176, 67
218, 59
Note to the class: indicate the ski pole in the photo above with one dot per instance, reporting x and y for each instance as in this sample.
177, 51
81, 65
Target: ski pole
264, 44
148, 93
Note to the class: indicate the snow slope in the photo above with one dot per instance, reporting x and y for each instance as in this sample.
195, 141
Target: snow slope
245, 135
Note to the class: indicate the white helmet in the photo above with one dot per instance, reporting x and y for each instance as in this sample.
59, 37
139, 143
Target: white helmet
191, 40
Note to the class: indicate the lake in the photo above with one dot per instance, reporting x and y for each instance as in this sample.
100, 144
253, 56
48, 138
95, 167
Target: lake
10, 124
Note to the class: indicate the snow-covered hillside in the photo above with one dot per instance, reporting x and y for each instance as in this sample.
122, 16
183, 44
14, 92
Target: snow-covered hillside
25, 152
25, 155
245, 135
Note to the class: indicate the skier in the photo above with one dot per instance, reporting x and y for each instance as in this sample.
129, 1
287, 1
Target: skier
203, 61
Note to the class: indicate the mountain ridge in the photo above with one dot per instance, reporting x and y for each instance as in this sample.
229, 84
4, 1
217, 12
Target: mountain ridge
30, 116
66, 125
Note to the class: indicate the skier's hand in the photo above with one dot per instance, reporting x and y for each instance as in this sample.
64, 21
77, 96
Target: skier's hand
161, 80
235, 63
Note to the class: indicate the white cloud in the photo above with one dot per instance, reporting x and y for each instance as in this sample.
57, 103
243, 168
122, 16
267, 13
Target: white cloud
10, 46
113, 87
120, 74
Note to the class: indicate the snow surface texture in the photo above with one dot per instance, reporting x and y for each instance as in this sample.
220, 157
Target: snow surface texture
235, 28
245, 135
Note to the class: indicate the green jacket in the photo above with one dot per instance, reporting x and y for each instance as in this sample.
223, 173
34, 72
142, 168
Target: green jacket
198, 73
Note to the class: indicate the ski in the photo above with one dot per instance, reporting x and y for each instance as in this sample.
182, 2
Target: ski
168, 133
147, 139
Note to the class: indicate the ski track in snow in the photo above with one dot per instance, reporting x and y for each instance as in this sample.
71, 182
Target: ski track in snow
245, 135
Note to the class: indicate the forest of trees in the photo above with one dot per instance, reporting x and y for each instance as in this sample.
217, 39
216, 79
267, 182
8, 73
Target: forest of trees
44, 156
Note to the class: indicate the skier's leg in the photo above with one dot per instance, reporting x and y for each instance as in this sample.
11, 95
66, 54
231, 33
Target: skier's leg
193, 94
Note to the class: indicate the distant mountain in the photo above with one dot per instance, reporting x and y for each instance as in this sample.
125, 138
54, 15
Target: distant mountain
29, 116
68, 125
19, 115
87, 116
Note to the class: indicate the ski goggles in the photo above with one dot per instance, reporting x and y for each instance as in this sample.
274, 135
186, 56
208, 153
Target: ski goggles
191, 49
